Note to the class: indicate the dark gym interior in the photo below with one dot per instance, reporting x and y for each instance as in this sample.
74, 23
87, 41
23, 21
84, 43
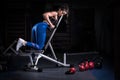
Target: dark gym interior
91, 29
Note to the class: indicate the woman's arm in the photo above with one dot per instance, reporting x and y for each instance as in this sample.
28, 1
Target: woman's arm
50, 14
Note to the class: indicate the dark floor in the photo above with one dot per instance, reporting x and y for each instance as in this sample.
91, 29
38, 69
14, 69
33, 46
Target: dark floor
52, 72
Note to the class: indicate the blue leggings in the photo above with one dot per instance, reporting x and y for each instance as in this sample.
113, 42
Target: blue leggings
38, 36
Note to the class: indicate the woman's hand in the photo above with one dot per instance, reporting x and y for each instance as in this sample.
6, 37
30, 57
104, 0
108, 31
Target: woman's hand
52, 26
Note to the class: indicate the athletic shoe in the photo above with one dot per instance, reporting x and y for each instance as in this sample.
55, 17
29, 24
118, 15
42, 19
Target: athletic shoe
20, 43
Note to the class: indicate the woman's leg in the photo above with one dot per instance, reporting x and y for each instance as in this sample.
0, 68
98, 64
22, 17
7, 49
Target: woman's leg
33, 45
39, 36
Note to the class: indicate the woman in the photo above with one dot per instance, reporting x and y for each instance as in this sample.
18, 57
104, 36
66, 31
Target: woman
39, 29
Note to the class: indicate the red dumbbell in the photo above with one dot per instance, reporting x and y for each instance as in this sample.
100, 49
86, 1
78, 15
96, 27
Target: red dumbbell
91, 65
82, 66
71, 70
86, 65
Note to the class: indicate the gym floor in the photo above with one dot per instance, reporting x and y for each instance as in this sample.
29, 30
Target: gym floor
52, 72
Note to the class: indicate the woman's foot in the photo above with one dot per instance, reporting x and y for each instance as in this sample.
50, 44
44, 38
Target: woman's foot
20, 43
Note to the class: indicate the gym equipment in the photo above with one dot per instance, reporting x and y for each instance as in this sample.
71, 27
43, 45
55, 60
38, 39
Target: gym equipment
91, 65
98, 62
11, 48
40, 53
86, 65
82, 66
72, 70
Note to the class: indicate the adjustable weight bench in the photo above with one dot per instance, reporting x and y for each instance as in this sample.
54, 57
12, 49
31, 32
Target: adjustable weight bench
35, 55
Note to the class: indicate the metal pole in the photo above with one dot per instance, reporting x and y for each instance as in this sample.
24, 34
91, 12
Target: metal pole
52, 51
55, 61
53, 32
